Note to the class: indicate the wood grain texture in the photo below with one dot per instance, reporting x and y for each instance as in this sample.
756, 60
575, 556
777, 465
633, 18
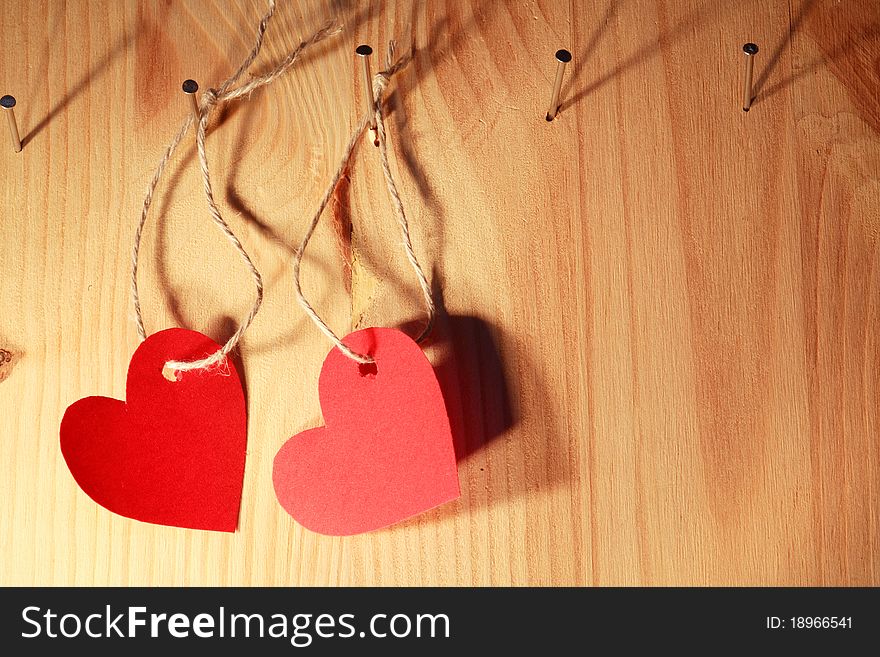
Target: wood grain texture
659, 342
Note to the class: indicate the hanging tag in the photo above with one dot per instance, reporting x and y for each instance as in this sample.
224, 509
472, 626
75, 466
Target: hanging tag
173, 453
386, 452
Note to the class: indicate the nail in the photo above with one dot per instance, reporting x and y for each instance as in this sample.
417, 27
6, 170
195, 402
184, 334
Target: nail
750, 49
190, 88
563, 57
8, 102
364, 51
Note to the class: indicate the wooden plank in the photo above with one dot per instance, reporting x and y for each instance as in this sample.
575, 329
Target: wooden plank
659, 331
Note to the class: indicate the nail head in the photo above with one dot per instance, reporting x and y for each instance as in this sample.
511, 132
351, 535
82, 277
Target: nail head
563, 56
364, 50
190, 86
750, 49
7, 101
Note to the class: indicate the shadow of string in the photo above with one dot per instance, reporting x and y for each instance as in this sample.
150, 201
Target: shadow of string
211, 100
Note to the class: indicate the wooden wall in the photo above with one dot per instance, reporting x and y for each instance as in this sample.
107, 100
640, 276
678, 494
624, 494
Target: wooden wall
659, 340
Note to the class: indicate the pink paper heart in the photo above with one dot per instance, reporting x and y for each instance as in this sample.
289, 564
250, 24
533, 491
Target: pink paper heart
386, 452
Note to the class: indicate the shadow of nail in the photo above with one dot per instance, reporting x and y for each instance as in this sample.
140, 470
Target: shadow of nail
773, 59
695, 18
579, 62
121, 47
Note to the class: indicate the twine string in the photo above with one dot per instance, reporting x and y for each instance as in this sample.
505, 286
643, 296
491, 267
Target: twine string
380, 83
211, 100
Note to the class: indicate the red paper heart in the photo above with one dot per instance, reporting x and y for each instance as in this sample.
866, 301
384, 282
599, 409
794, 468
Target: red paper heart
173, 452
386, 451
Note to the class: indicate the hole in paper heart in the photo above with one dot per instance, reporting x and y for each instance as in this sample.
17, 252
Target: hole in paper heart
171, 374
368, 370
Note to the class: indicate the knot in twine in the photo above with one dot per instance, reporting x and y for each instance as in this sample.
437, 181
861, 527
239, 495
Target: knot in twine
211, 99
380, 83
